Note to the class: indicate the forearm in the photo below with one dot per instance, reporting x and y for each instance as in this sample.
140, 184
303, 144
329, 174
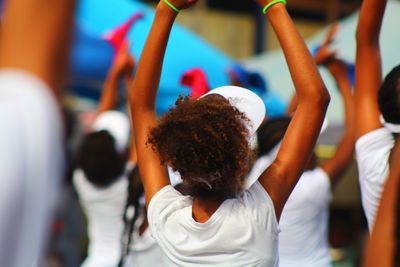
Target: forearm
147, 78
368, 70
370, 22
309, 87
35, 37
108, 98
339, 163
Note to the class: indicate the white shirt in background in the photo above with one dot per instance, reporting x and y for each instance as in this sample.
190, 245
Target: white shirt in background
243, 231
144, 250
104, 208
303, 241
31, 166
372, 152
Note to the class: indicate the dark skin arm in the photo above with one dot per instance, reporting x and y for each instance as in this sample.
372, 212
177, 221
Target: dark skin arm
122, 68
339, 163
324, 55
368, 66
35, 37
142, 96
313, 99
381, 247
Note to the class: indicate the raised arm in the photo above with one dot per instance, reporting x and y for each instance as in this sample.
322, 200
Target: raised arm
36, 36
122, 67
368, 66
299, 141
142, 95
338, 164
322, 57
381, 248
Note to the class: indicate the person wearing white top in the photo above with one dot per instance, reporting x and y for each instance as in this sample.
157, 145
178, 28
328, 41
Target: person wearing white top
32, 131
102, 177
207, 140
303, 240
377, 109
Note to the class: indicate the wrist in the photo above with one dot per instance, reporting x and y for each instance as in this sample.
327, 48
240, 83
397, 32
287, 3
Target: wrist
273, 5
276, 11
164, 8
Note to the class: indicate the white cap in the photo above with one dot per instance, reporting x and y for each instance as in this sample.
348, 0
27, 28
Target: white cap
117, 124
246, 102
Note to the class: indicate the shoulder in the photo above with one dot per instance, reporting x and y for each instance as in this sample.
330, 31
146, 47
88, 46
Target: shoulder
164, 202
259, 204
372, 151
376, 140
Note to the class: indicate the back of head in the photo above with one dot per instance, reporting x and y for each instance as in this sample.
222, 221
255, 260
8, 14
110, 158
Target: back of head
206, 140
271, 133
99, 158
389, 97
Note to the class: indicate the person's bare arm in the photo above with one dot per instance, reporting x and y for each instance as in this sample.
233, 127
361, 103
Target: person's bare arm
142, 96
299, 141
122, 67
35, 37
322, 57
381, 247
368, 66
338, 164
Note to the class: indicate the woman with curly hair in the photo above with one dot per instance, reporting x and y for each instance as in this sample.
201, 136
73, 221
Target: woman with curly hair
208, 141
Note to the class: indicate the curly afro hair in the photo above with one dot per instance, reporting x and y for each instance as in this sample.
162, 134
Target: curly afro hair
207, 141
389, 97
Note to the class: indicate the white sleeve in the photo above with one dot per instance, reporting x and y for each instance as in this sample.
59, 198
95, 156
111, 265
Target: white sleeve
261, 207
162, 204
372, 152
31, 156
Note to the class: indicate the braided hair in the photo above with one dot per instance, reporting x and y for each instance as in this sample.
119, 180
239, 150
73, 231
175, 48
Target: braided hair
131, 211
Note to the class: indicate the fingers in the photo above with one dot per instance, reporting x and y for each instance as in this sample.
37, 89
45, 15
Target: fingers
330, 37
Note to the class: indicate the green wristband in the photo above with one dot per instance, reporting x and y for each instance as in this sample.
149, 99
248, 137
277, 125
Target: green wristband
171, 6
269, 5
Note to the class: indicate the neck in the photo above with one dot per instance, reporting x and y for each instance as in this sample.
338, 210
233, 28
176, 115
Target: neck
204, 208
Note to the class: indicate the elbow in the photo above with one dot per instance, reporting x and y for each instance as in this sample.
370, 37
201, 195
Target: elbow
317, 98
322, 98
364, 38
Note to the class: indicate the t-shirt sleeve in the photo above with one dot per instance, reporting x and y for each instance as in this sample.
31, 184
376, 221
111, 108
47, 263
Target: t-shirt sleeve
261, 207
372, 152
163, 203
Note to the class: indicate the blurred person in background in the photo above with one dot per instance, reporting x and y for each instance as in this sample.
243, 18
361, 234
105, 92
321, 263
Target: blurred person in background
303, 240
35, 39
108, 183
383, 248
377, 109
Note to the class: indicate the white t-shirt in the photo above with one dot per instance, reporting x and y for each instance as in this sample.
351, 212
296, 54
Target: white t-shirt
144, 250
303, 241
372, 152
104, 208
243, 231
31, 156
